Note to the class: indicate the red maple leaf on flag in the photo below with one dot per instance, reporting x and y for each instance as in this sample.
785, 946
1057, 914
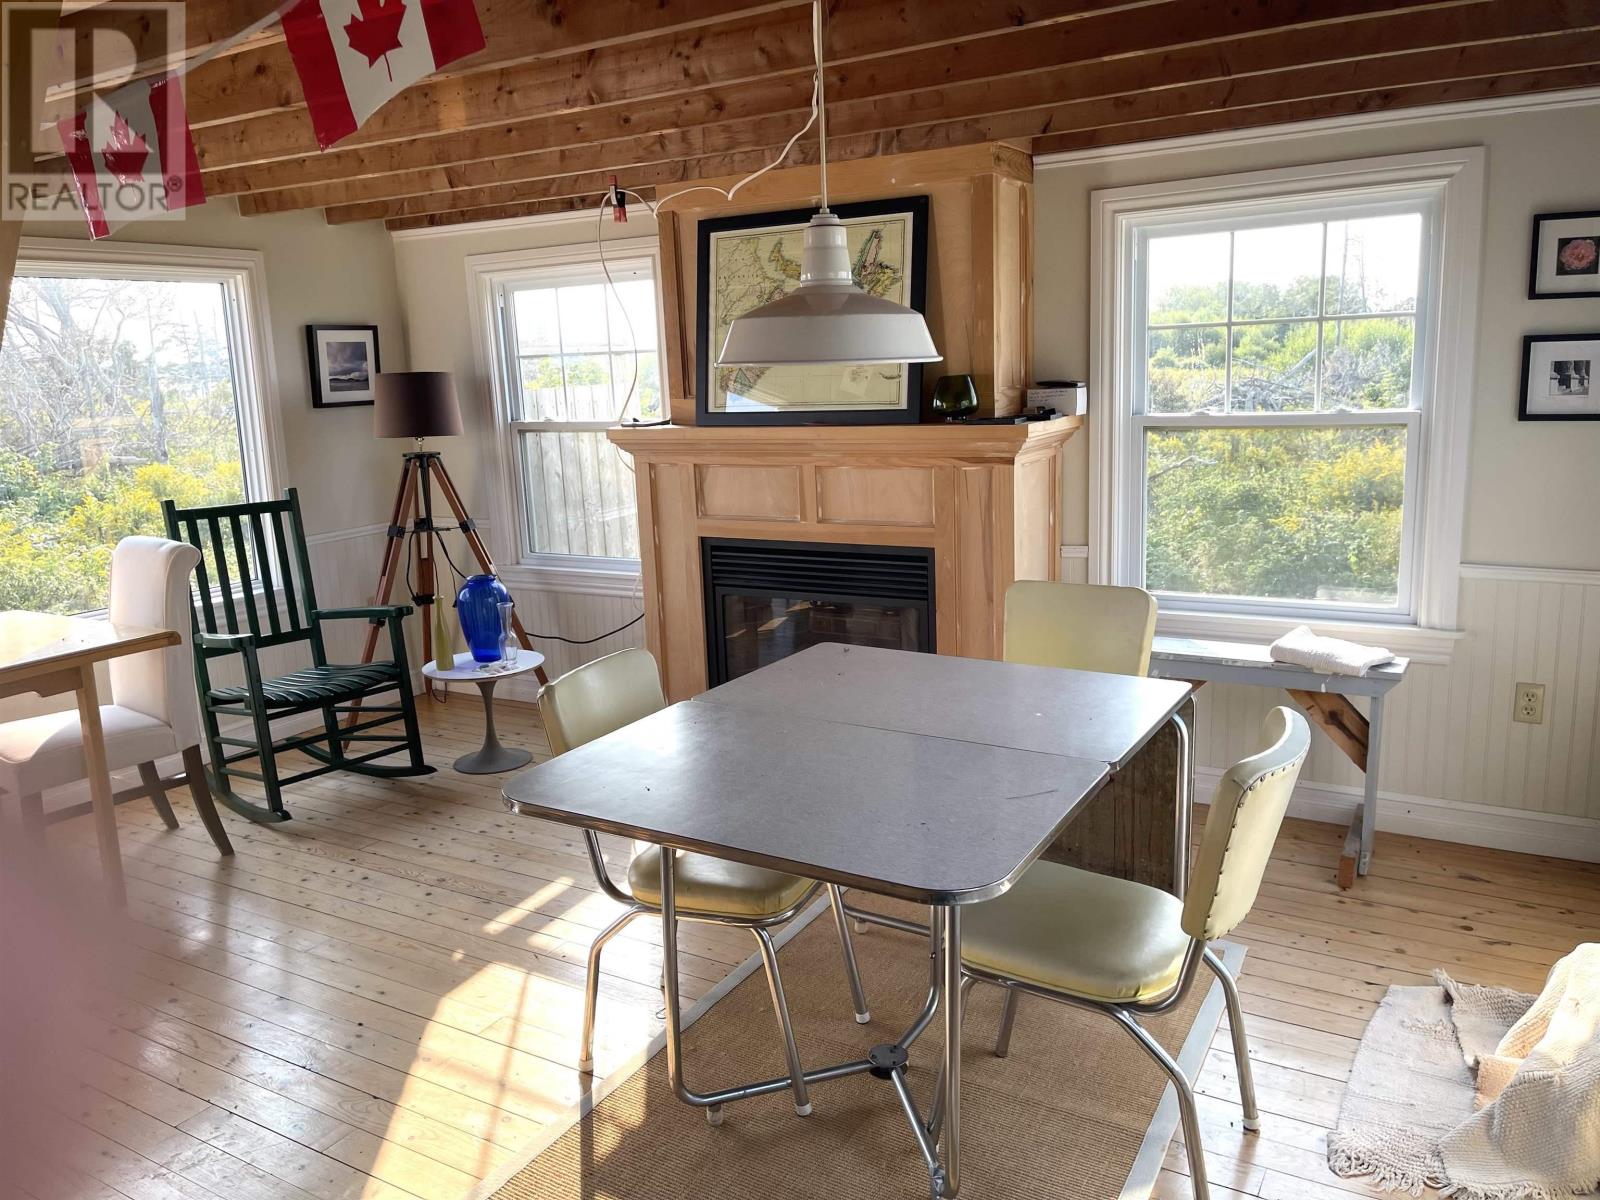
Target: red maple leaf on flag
377, 30
124, 152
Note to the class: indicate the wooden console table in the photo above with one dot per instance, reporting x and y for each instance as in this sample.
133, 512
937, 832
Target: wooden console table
1325, 699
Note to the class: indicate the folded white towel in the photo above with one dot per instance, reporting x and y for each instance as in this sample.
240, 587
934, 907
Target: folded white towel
1330, 656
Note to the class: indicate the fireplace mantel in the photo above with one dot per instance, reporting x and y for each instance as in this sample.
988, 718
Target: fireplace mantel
985, 498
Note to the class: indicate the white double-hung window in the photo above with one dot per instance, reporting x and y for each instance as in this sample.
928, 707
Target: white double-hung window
1285, 359
571, 353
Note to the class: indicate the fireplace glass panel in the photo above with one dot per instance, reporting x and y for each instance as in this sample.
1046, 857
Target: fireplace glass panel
766, 600
758, 630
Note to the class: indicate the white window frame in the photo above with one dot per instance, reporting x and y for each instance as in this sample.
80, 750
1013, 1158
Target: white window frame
242, 275
1450, 186
487, 277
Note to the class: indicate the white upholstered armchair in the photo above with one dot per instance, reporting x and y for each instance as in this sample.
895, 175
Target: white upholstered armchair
153, 711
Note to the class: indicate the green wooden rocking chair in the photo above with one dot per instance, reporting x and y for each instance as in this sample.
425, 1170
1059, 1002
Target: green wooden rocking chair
245, 565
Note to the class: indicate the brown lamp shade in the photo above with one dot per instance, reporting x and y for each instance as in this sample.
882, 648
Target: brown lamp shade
415, 404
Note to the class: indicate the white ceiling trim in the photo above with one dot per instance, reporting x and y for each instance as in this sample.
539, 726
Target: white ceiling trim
1573, 98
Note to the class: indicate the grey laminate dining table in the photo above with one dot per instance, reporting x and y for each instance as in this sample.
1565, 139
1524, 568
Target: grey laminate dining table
927, 778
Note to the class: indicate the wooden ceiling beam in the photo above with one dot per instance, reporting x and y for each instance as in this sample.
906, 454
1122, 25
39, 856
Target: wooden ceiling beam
1451, 92
1289, 112
259, 76
589, 187
461, 100
1471, 24
414, 130
505, 212
914, 123
562, 68
1372, 75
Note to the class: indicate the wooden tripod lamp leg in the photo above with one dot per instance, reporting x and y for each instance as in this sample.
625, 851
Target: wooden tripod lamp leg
394, 557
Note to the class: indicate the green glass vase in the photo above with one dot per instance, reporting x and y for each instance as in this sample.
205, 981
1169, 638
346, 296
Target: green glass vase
955, 397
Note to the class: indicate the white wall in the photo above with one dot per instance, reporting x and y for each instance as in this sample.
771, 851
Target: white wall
1533, 495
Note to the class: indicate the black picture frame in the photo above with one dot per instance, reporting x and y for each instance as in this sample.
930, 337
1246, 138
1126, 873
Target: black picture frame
916, 293
326, 390
1529, 341
1540, 220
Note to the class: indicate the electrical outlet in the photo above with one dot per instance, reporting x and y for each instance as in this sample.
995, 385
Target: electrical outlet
1529, 706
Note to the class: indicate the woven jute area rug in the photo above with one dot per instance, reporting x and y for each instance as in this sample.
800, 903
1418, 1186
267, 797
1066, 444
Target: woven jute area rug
1067, 1115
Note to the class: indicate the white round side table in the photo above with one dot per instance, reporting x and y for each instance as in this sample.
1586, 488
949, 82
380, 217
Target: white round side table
493, 757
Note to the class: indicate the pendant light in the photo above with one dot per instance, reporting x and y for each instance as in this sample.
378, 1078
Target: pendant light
827, 318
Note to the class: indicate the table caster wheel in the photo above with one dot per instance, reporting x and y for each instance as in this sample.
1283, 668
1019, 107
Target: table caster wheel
714, 1115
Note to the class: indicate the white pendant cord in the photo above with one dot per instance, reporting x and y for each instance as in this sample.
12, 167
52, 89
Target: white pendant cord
819, 101
818, 117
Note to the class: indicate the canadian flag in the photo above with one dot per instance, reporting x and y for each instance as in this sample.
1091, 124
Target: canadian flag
353, 56
131, 153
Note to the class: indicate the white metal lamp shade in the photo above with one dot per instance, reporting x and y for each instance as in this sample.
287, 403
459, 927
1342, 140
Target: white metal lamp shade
827, 319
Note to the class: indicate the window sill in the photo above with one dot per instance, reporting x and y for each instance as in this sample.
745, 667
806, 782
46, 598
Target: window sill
1419, 644
622, 580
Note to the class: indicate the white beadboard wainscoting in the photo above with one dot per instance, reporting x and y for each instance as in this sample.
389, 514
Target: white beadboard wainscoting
1455, 765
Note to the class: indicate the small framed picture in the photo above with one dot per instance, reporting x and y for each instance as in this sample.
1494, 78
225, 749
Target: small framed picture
1558, 377
1566, 256
343, 359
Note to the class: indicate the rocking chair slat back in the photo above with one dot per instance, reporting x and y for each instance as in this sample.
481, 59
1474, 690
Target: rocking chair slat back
254, 575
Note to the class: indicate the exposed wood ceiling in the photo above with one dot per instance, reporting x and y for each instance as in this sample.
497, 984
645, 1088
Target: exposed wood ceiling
658, 91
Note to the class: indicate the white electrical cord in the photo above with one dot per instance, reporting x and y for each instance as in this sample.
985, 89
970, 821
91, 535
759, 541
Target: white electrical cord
817, 117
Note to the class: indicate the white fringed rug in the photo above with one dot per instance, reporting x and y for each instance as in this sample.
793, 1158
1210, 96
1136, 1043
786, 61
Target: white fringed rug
1410, 1086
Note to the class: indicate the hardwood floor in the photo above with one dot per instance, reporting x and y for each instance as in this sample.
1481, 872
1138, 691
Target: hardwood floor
381, 998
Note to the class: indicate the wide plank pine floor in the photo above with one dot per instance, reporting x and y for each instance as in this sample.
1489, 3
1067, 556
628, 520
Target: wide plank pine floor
381, 998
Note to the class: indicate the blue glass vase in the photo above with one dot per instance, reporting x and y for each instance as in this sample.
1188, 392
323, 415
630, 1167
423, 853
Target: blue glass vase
478, 605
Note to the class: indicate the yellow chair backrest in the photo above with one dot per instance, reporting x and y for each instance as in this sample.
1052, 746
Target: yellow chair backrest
600, 696
1085, 626
1246, 814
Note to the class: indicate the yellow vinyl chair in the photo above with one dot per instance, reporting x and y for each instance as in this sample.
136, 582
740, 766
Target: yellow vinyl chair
1126, 949
617, 690
1084, 626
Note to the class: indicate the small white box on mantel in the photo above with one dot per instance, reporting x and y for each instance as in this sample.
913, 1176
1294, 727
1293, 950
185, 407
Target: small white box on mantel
1067, 396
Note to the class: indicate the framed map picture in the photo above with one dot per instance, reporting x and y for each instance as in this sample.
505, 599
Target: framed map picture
747, 261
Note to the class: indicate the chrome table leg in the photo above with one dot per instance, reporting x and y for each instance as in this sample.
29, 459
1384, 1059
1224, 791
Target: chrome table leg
947, 1180
1185, 805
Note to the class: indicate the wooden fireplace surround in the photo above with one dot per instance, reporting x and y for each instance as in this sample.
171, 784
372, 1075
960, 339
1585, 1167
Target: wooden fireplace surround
985, 498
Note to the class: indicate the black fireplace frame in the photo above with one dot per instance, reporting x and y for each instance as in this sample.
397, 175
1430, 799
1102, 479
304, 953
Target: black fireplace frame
712, 594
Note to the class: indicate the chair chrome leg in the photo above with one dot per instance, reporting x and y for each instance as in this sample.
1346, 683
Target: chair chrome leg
1241, 1044
858, 994
591, 987
1008, 1022
1186, 1105
769, 955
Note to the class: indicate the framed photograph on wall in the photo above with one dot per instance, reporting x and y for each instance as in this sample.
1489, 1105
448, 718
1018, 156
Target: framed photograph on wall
747, 261
1558, 377
343, 360
1565, 260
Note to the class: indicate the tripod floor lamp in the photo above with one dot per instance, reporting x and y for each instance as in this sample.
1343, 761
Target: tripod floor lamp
419, 405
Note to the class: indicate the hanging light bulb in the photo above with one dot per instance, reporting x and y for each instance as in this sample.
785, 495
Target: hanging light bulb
827, 318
